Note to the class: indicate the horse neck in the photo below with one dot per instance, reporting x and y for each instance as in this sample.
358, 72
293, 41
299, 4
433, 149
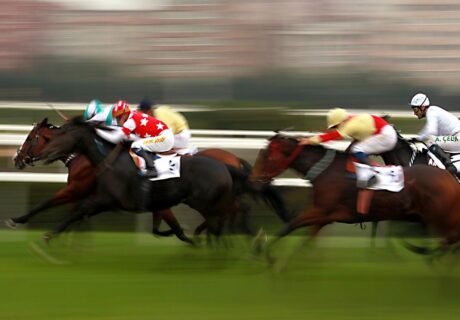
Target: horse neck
403, 155
67, 157
89, 148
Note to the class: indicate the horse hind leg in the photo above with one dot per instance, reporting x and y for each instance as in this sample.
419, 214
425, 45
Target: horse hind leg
172, 222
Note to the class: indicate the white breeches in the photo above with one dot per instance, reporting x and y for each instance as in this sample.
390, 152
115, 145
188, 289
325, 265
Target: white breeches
182, 143
379, 143
181, 140
161, 143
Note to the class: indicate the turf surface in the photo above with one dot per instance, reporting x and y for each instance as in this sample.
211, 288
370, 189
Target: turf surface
136, 276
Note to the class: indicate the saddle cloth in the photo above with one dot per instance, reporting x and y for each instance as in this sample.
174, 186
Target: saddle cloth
390, 178
168, 166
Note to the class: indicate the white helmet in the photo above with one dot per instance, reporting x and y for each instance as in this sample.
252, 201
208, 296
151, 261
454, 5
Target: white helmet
419, 100
336, 116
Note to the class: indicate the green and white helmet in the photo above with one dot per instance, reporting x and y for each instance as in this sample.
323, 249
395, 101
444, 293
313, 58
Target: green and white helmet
93, 108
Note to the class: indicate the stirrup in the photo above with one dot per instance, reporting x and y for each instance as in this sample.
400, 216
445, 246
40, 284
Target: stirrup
150, 173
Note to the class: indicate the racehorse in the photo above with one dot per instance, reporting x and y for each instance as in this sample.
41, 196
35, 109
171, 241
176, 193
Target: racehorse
206, 185
406, 154
431, 193
81, 181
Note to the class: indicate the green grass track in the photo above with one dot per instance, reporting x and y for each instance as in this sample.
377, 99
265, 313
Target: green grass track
115, 276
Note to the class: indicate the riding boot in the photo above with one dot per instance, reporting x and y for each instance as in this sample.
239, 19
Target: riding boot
444, 157
151, 171
364, 159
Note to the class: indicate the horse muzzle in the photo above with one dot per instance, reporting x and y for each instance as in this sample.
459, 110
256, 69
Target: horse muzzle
19, 163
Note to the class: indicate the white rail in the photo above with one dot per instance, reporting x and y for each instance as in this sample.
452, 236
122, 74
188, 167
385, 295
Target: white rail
220, 142
62, 178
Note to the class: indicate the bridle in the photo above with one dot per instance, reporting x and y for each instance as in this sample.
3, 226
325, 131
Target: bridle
26, 157
283, 164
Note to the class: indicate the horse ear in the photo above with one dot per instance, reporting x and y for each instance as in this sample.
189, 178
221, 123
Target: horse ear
386, 117
44, 122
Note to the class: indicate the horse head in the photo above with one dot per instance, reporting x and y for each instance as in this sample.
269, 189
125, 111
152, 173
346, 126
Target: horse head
30, 150
275, 158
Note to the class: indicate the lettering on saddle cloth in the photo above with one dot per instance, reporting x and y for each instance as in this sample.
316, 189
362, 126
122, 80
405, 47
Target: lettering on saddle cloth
168, 166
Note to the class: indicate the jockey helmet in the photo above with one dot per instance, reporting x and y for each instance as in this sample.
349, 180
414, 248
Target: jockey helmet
120, 108
419, 100
146, 105
93, 108
336, 116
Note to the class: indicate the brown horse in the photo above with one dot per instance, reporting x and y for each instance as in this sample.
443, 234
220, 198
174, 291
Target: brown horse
81, 181
430, 193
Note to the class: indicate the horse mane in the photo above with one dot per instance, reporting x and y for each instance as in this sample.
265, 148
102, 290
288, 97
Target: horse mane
78, 121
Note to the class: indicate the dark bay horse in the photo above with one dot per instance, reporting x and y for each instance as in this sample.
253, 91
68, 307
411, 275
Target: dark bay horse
81, 180
205, 185
406, 154
430, 193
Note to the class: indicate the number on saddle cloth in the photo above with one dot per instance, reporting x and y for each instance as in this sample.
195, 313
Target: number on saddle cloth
389, 178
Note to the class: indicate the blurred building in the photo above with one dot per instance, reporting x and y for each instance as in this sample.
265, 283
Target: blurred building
417, 39
23, 26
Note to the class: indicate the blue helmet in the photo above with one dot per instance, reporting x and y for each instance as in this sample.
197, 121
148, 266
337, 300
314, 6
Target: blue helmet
93, 108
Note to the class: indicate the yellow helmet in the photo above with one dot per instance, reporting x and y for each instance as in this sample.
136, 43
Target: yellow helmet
336, 116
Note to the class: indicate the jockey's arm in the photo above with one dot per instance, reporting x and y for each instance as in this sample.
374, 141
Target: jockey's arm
113, 136
328, 136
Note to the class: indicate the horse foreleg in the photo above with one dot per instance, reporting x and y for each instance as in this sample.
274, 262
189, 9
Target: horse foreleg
373, 233
303, 219
200, 228
63, 196
88, 208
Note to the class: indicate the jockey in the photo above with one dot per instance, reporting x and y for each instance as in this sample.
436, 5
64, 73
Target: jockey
441, 131
95, 112
175, 121
152, 134
373, 134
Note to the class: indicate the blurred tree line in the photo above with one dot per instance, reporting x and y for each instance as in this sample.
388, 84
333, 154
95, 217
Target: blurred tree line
54, 79
252, 102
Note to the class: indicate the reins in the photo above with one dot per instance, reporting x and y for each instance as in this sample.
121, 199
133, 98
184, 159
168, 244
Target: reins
286, 162
315, 170
107, 163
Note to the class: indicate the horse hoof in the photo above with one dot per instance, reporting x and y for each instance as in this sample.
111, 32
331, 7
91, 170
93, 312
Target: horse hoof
259, 241
11, 224
47, 237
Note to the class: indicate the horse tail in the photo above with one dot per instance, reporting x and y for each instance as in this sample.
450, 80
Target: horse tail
273, 198
240, 178
245, 166
267, 192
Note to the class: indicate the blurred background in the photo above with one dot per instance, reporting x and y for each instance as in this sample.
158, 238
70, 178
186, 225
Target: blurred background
358, 54
228, 66
225, 64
